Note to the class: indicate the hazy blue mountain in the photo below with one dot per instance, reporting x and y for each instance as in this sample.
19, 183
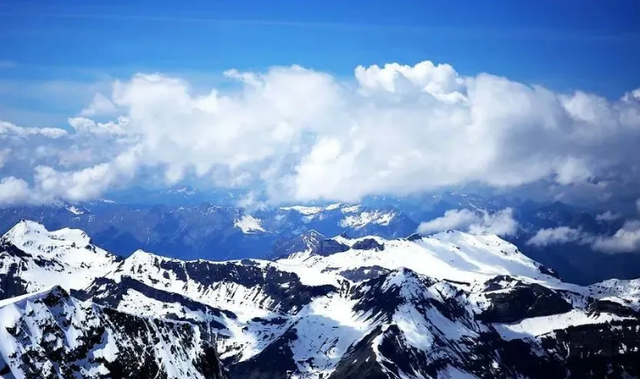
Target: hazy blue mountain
222, 230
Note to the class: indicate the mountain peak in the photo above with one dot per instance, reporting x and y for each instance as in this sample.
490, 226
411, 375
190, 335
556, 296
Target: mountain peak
400, 277
45, 258
23, 228
144, 257
31, 235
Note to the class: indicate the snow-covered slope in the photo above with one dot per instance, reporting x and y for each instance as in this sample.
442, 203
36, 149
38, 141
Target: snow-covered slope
445, 306
449, 255
52, 335
35, 258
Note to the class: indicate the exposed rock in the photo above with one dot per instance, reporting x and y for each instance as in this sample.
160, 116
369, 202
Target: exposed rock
368, 244
523, 301
330, 246
414, 237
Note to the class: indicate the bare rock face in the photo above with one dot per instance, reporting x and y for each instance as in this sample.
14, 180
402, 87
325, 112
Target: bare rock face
368, 244
523, 301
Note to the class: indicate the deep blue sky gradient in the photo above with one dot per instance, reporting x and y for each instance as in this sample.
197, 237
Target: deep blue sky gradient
593, 45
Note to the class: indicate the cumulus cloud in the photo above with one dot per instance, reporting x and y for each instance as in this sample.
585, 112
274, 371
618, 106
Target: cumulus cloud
501, 223
9, 130
475, 222
13, 190
607, 216
452, 219
85, 125
555, 236
100, 106
84, 184
305, 135
625, 240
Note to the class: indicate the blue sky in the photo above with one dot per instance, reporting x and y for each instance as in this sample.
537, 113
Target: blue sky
591, 45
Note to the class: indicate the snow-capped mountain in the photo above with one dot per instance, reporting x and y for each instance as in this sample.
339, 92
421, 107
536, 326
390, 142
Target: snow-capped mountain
193, 226
449, 305
32, 258
209, 231
52, 335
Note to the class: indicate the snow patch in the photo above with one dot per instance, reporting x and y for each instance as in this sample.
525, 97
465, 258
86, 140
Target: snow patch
367, 217
248, 224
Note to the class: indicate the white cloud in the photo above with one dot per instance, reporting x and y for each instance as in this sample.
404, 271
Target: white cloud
452, 219
8, 130
608, 216
100, 106
85, 125
4, 155
87, 183
475, 222
555, 236
13, 190
625, 240
307, 135
500, 223
440, 81
572, 170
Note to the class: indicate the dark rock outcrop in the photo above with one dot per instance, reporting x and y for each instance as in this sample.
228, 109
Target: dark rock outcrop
523, 301
368, 244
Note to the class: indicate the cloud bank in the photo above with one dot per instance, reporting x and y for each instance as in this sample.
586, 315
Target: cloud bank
305, 135
624, 240
474, 222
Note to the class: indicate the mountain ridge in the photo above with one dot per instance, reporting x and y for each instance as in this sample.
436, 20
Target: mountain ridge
447, 305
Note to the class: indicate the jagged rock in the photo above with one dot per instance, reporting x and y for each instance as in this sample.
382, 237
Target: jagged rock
549, 271
309, 240
368, 244
599, 306
364, 273
329, 246
414, 237
523, 301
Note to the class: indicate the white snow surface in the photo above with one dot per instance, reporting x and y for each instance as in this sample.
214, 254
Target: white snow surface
353, 215
75, 210
536, 326
362, 219
248, 224
449, 255
304, 210
38, 321
625, 292
72, 261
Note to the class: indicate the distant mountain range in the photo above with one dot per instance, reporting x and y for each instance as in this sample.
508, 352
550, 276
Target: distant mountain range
176, 223
450, 305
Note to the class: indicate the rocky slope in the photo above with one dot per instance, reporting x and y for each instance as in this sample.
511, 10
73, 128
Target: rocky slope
452, 305
52, 335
